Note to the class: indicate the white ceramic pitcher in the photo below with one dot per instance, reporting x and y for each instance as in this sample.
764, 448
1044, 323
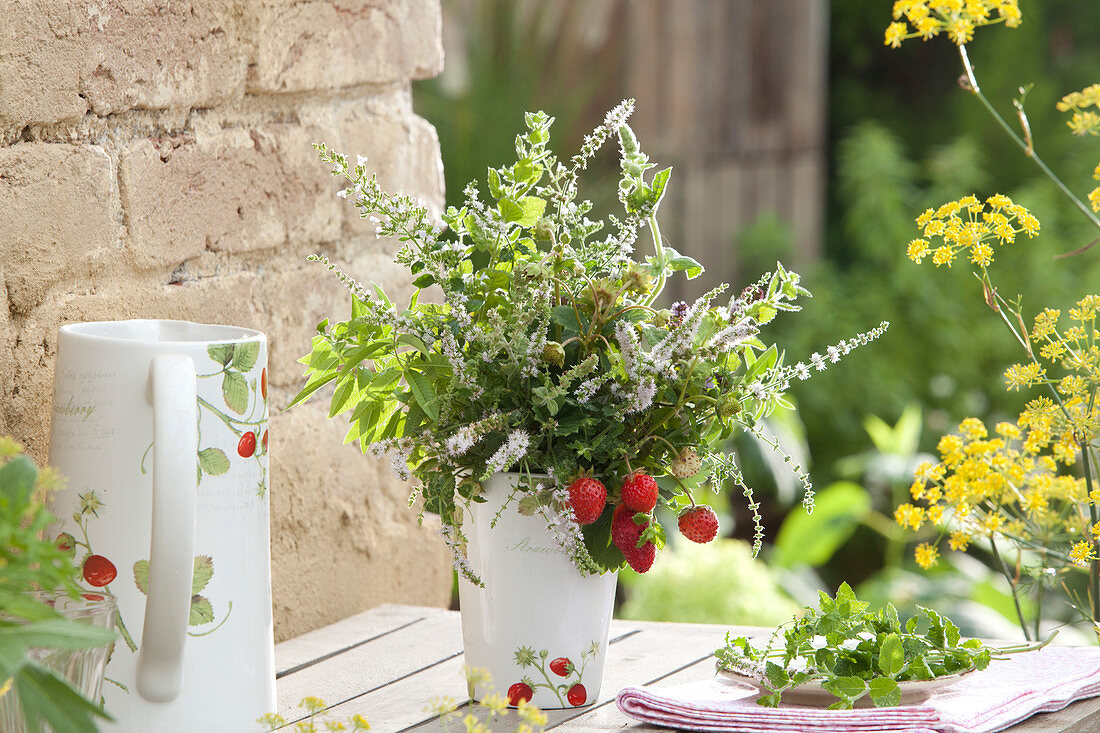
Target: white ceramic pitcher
161, 430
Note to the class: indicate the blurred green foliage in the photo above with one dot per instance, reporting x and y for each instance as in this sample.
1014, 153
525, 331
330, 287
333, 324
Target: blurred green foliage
717, 583
905, 137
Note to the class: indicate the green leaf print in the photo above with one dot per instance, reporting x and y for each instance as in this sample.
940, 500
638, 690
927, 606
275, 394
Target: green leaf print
204, 571
221, 353
245, 356
141, 575
201, 611
235, 391
213, 461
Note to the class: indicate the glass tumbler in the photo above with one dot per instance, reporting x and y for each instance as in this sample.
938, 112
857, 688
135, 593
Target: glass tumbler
83, 668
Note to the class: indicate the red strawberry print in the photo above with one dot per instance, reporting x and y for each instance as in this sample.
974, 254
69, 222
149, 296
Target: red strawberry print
588, 497
65, 542
577, 694
561, 666
639, 492
246, 446
263, 383
699, 524
91, 596
99, 571
625, 535
519, 691
263, 441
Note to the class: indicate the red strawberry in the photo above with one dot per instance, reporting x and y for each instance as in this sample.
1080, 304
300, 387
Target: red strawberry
94, 597
263, 383
588, 497
577, 694
263, 441
519, 691
639, 492
561, 666
99, 571
246, 446
625, 535
699, 524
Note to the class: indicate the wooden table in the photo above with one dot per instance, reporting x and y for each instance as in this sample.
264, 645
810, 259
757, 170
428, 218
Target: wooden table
389, 663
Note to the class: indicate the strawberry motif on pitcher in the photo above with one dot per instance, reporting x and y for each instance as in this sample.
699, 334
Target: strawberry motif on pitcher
560, 675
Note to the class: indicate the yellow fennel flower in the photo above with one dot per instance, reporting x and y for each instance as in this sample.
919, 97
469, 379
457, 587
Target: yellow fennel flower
926, 555
895, 33
973, 428
959, 541
1023, 375
909, 517
1081, 553
918, 248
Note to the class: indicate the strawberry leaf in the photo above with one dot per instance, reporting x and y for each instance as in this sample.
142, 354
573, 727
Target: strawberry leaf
235, 392
141, 576
221, 353
203, 572
245, 355
201, 611
213, 461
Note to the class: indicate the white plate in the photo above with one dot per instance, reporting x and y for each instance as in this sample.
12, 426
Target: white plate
813, 694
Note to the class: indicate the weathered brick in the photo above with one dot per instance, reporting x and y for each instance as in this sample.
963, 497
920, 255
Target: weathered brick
401, 148
62, 216
7, 355
235, 190
61, 58
327, 44
336, 514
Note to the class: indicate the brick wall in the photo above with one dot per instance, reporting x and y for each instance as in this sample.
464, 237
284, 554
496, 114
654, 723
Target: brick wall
155, 162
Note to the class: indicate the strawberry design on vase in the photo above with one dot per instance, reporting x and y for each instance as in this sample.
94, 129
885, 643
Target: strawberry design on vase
529, 584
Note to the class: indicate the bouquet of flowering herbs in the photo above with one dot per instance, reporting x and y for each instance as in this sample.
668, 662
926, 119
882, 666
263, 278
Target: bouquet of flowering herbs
545, 352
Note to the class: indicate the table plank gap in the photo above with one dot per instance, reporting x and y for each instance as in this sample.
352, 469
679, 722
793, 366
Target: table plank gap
349, 647
336, 637
373, 664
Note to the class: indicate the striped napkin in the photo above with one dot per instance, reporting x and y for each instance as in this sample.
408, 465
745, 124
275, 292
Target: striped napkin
1002, 695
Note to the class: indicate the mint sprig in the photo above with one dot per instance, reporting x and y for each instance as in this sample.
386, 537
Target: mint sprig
854, 652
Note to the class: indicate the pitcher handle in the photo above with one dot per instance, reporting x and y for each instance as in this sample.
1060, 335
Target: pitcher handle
171, 554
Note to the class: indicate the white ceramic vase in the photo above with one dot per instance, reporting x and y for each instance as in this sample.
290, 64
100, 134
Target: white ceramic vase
538, 626
160, 428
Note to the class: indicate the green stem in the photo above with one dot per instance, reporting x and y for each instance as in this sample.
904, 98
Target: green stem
1094, 578
1012, 586
1039, 600
1029, 150
659, 251
124, 632
228, 420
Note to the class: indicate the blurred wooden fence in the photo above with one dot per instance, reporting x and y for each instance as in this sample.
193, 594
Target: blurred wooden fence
732, 94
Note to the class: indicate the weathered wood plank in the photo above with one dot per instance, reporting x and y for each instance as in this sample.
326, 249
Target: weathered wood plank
381, 661
302, 650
